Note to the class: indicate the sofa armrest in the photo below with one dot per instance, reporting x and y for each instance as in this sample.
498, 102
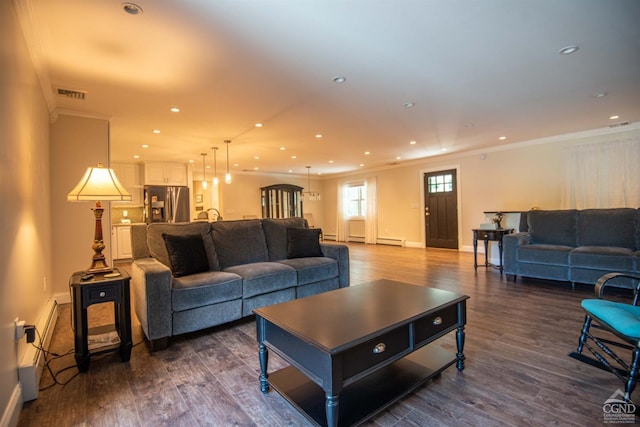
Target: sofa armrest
510, 244
151, 284
341, 254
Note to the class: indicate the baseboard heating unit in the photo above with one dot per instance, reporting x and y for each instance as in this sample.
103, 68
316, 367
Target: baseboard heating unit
32, 364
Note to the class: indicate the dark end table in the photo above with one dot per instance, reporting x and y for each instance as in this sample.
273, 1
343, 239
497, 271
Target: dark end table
105, 338
488, 235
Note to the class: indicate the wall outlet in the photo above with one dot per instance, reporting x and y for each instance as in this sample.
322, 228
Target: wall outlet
19, 328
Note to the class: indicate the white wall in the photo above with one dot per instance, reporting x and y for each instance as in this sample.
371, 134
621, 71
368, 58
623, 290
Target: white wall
25, 211
76, 143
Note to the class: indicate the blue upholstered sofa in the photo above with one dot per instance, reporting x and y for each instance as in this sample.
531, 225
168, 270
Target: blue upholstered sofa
190, 276
576, 246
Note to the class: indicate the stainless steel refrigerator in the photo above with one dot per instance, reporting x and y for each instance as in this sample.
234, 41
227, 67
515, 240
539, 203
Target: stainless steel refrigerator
166, 203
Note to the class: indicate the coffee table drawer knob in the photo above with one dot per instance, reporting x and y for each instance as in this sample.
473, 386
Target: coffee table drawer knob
379, 348
437, 321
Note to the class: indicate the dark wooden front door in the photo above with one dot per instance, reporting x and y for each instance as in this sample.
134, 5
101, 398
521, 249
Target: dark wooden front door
441, 209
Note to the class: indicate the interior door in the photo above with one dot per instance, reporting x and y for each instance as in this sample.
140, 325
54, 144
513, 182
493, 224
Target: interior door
441, 209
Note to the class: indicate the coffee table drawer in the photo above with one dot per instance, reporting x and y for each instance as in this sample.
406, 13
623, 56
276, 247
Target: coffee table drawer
375, 351
431, 326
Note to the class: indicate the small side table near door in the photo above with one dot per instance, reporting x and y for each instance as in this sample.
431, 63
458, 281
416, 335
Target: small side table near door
488, 235
99, 288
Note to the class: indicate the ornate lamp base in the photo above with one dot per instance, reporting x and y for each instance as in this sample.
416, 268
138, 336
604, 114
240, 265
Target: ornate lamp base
98, 263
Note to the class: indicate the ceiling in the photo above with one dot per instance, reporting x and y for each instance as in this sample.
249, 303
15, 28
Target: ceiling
474, 71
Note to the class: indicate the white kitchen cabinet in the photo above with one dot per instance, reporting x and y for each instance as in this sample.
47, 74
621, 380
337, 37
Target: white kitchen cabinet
165, 174
129, 176
121, 241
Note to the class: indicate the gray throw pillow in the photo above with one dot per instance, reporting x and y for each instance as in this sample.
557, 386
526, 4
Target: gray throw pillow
186, 254
303, 242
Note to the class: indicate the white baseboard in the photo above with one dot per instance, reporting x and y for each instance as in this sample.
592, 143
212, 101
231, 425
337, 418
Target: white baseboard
11, 413
63, 297
32, 363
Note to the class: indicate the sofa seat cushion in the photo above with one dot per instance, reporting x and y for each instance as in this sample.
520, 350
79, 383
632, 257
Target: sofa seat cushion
263, 277
603, 257
239, 242
545, 254
314, 269
202, 289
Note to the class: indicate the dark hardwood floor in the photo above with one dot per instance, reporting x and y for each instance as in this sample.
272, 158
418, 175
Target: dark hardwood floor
517, 369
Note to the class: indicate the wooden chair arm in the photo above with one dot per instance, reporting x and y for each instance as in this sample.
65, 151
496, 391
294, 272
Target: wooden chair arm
602, 283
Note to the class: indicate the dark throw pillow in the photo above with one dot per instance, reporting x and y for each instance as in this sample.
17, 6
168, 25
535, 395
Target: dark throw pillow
303, 242
186, 254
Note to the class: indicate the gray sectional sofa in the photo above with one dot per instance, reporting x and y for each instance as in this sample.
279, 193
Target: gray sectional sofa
190, 276
576, 246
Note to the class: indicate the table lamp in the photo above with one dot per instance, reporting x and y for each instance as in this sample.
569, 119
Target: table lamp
98, 184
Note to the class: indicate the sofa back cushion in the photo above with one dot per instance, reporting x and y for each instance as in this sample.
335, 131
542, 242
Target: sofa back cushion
239, 242
553, 227
608, 227
158, 247
275, 233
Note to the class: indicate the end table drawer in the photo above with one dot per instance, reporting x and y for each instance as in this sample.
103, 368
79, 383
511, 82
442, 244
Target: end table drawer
430, 326
375, 351
102, 294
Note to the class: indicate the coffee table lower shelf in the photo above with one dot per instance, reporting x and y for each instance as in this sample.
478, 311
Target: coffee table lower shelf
368, 396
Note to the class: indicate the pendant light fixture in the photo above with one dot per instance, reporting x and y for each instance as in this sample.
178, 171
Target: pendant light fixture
215, 166
204, 178
310, 195
227, 176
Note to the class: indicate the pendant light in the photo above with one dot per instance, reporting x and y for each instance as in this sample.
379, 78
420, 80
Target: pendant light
215, 166
310, 195
204, 179
227, 176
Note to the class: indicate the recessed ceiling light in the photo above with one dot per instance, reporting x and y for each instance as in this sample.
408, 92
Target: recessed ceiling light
135, 156
318, 135
235, 165
175, 110
361, 164
502, 138
599, 95
156, 131
330, 161
614, 117
443, 149
145, 145
256, 157
409, 104
398, 157
294, 157
412, 142
258, 125
282, 148
568, 50
131, 8
191, 161
339, 79
256, 168
366, 153
290, 170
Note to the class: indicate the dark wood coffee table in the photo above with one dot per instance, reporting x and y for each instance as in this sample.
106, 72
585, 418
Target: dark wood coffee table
355, 351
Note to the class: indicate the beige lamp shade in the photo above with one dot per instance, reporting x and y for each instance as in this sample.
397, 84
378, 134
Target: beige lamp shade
99, 183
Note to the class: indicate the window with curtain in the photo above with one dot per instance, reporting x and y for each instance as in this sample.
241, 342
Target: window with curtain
356, 198
602, 175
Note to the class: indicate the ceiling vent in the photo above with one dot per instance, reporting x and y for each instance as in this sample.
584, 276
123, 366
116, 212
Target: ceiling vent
73, 94
617, 125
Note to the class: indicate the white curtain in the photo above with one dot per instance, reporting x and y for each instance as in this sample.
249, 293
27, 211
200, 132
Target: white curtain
371, 212
341, 215
602, 175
